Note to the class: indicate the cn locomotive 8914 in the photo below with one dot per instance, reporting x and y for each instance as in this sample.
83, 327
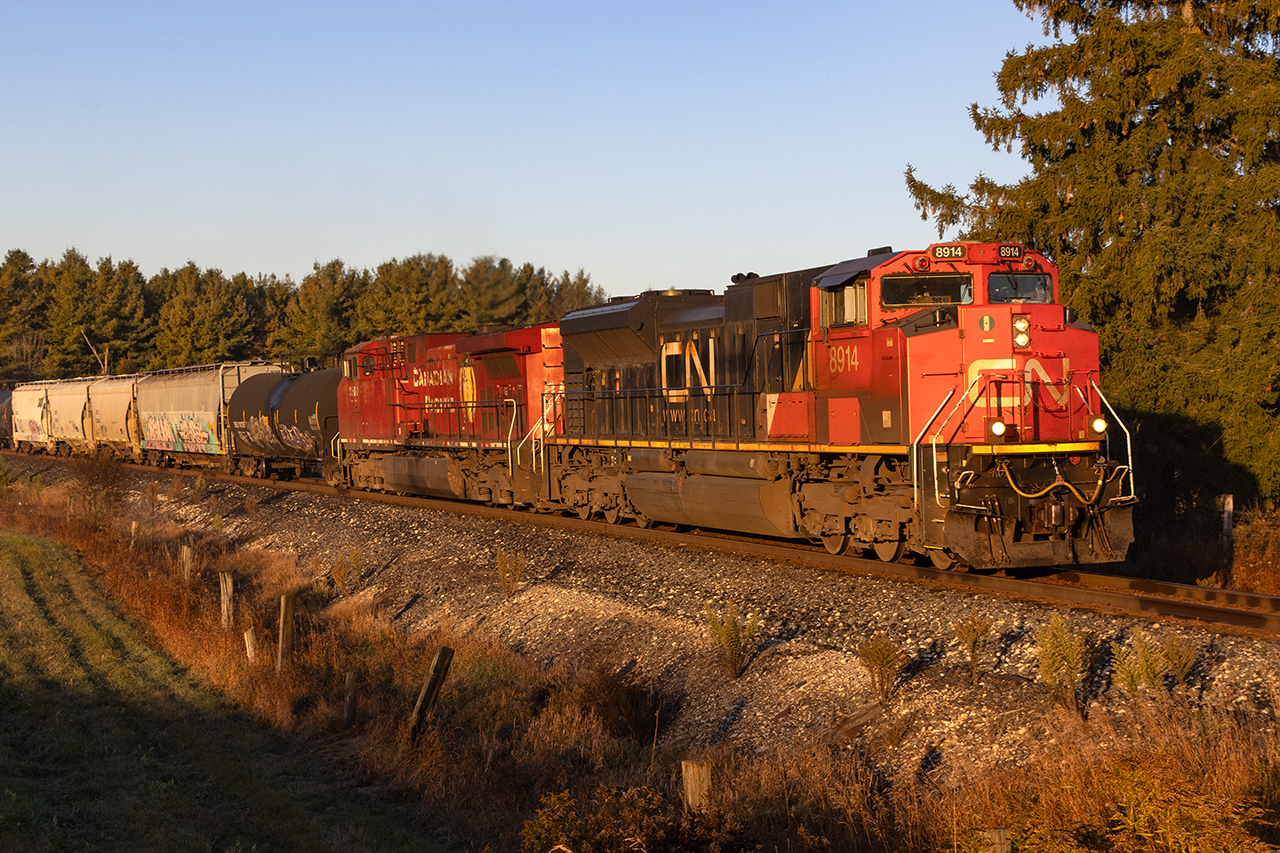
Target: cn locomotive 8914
940, 403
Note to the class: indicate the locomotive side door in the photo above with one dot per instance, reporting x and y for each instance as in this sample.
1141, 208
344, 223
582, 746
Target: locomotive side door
842, 361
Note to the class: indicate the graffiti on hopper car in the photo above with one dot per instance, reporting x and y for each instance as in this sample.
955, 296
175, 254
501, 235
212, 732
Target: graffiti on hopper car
185, 433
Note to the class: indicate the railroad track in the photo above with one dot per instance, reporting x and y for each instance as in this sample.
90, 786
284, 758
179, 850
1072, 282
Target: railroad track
1133, 596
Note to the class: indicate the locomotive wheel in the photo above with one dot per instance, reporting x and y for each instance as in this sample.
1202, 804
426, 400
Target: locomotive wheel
612, 514
642, 522
584, 512
941, 559
836, 543
890, 552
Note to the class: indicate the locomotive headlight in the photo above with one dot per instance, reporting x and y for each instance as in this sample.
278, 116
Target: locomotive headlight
1099, 425
998, 428
1021, 331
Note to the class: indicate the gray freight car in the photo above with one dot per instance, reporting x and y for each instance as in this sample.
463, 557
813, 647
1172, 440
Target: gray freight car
182, 413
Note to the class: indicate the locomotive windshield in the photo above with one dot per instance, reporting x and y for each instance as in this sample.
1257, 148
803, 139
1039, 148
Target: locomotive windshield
1019, 287
938, 289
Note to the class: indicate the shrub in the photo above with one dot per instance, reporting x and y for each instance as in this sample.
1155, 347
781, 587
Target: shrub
556, 818
1063, 657
346, 569
1179, 658
734, 641
511, 568
971, 633
97, 485
883, 659
1139, 664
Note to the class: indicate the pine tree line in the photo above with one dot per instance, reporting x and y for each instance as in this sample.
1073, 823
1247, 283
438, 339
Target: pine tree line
69, 317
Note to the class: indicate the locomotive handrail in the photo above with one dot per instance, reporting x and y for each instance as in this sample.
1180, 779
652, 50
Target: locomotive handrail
1128, 439
511, 429
549, 407
915, 480
937, 494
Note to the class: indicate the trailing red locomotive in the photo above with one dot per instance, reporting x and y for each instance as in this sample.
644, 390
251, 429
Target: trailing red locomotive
939, 403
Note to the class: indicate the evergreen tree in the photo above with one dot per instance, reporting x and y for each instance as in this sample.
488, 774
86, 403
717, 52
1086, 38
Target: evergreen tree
22, 318
207, 318
1155, 187
493, 292
566, 293
320, 315
121, 329
417, 295
270, 301
71, 283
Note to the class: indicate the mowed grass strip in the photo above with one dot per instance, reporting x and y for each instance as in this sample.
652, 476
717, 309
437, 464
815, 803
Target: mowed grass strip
107, 745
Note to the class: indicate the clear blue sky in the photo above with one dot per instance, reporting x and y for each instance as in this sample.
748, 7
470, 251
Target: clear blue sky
658, 144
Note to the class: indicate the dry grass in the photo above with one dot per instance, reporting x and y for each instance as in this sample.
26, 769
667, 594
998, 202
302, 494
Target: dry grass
1255, 566
561, 756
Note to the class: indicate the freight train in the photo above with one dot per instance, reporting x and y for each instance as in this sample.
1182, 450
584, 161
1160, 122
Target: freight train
939, 404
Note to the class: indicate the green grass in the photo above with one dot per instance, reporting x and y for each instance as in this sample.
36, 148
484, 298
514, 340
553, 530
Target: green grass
105, 744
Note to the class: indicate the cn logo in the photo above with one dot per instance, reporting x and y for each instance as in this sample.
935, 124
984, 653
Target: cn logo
1033, 374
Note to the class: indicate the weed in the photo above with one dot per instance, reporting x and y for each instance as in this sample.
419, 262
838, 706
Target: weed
734, 640
883, 659
198, 488
251, 507
1137, 665
176, 488
96, 485
6, 476
346, 569
556, 818
1063, 656
971, 633
1179, 658
151, 497
511, 569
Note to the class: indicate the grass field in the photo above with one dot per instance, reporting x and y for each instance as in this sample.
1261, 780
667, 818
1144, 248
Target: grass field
107, 745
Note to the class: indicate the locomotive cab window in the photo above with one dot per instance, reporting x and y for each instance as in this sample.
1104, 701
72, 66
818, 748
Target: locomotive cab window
1019, 287
845, 305
935, 289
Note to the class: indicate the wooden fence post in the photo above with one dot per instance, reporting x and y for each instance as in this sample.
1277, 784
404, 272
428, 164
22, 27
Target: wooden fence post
188, 559
1227, 510
997, 839
697, 784
431, 688
227, 582
133, 534
284, 650
251, 644
349, 707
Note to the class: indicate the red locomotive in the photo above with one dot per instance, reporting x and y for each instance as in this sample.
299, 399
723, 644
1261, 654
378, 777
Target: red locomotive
940, 402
